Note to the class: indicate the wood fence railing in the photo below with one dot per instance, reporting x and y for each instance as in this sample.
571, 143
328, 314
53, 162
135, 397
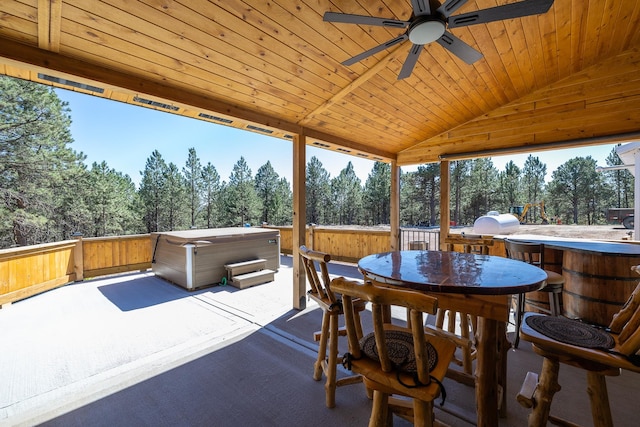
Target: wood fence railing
27, 271
30, 270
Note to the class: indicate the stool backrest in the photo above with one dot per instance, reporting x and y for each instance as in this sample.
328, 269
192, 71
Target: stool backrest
381, 296
626, 323
320, 282
531, 253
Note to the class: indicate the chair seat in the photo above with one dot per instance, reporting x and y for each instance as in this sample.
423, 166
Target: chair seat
553, 278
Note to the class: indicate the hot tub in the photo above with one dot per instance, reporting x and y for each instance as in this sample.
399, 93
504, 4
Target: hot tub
197, 258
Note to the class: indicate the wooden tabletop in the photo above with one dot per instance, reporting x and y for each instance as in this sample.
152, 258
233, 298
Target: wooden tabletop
453, 272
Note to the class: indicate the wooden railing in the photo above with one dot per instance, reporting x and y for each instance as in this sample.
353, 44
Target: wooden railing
27, 271
344, 244
30, 270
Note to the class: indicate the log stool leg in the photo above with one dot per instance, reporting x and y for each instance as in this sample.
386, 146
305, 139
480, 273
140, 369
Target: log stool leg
547, 387
597, 390
322, 349
332, 363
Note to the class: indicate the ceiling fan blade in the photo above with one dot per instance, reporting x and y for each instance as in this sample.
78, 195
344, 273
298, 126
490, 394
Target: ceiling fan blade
346, 18
499, 13
421, 7
450, 6
410, 62
375, 50
459, 48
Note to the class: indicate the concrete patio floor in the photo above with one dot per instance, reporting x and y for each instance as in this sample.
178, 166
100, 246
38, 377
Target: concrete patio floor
136, 350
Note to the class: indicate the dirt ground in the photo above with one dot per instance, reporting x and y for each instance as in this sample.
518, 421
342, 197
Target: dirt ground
605, 232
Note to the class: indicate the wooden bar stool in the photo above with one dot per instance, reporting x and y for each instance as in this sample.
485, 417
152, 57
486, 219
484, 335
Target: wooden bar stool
332, 309
394, 360
580, 345
533, 253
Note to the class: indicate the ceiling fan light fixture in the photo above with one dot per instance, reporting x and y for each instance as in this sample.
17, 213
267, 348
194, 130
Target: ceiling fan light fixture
426, 31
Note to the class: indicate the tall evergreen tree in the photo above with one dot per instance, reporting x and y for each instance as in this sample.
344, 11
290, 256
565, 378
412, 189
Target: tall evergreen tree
621, 181
212, 190
266, 183
377, 195
242, 203
428, 186
509, 186
111, 201
193, 176
176, 197
533, 183
410, 199
153, 189
35, 160
575, 188
318, 192
346, 194
283, 212
481, 189
459, 177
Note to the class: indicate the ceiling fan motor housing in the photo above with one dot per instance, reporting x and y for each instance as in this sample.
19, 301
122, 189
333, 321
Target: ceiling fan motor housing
426, 29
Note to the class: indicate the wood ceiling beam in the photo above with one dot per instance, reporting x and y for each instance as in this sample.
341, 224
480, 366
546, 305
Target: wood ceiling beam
49, 24
381, 154
364, 78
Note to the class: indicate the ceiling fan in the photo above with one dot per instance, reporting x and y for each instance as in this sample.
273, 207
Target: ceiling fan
430, 21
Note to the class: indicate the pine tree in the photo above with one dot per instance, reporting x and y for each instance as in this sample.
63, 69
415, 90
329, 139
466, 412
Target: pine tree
35, 161
212, 190
266, 184
318, 192
241, 201
346, 194
377, 195
193, 176
153, 189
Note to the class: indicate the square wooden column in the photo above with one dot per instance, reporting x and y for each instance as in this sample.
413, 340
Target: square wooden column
445, 202
395, 207
299, 219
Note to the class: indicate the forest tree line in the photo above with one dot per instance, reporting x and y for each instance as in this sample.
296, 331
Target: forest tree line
49, 193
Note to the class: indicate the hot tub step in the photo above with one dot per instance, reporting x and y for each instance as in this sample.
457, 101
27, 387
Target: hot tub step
246, 280
238, 268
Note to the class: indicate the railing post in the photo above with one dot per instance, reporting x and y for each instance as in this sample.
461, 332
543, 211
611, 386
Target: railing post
78, 258
310, 243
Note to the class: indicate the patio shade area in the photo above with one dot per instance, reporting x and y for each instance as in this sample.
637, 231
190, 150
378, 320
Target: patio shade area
566, 77
134, 349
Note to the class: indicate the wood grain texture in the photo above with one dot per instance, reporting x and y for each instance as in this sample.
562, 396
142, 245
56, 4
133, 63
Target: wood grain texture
568, 76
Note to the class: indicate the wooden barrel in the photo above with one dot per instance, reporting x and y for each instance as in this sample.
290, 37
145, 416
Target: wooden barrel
533, 300
597, 285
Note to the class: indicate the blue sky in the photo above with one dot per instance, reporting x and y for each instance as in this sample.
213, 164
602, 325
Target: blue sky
125, 136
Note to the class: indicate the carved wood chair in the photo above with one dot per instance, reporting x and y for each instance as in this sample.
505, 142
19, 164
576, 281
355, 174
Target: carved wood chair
533, 253
317, 272
599, 363
384, 376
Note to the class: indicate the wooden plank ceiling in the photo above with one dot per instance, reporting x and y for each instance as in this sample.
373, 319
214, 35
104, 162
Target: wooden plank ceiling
568, 77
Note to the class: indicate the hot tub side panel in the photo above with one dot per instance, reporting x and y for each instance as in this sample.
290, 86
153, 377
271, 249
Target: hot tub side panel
170, 261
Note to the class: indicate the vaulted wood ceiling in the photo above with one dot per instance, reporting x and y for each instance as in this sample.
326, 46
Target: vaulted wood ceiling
570, 76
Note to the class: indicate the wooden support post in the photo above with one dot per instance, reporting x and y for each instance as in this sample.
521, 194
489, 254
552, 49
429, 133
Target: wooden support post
78, 259
445, 210
395, 207
299, 219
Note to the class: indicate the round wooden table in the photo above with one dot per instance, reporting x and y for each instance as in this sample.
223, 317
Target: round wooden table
475, 284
